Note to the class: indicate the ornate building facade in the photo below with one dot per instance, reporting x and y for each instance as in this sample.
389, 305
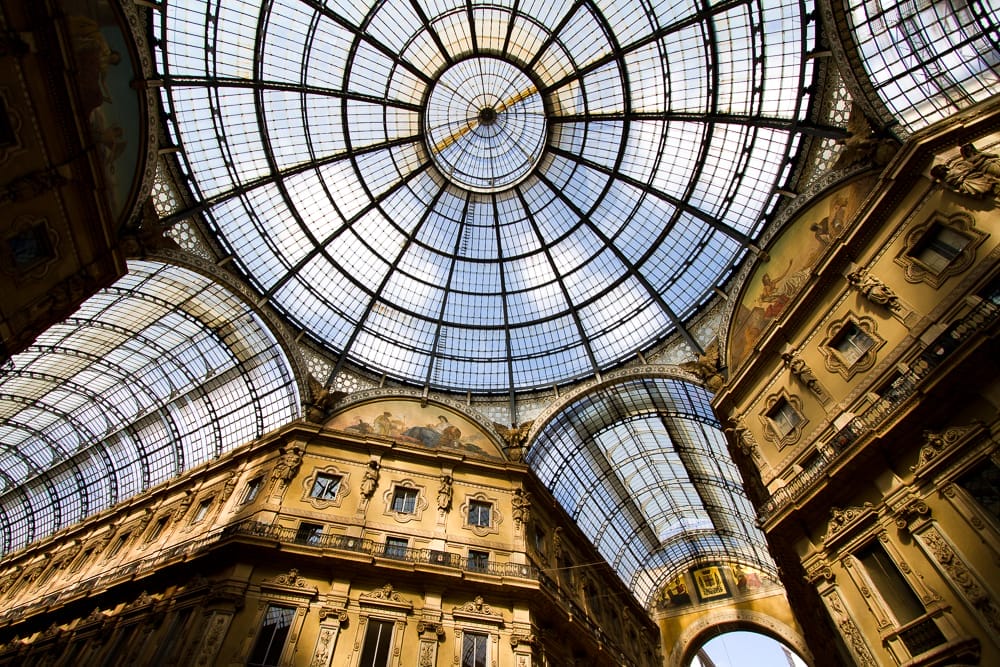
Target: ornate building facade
509, 334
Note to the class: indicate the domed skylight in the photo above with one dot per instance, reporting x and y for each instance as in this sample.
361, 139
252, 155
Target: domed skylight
486, 197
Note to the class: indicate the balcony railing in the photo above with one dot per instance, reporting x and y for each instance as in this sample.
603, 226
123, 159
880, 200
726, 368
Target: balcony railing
983, 316
358, 545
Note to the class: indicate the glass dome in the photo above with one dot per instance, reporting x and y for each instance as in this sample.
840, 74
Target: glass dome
486, 197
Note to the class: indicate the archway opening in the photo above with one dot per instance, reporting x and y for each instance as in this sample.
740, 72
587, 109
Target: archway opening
741, 648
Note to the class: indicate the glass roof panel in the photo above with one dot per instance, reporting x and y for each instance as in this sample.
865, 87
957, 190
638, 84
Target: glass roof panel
154, 375
388, 173
642, 467
928, 59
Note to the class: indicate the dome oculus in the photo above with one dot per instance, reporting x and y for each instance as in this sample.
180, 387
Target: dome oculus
485, 124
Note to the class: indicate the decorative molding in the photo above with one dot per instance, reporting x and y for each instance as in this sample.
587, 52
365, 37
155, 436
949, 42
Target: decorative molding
835, 362
965, 580
385, 597
419, 505
916, 271
477, 610
848, 629
290, 582
770, 433
972, 173
343, 489
496, 518
841, 519
938, 443
337, 614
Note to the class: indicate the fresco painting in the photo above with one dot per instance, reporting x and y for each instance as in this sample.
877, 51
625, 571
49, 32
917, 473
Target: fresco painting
776, 282
410, 422
110, 107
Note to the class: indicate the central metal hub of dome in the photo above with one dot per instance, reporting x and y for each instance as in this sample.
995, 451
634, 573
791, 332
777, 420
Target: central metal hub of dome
485, 125
487, 116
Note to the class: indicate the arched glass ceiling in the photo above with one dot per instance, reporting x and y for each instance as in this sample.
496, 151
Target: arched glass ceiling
643, 469
928, 59
154, 375
486, 196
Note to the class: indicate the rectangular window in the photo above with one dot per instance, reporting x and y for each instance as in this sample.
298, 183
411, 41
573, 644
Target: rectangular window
309, 533
479, 513
902, 601
378, 642
157, 529
252, 489
404, 500
271, 638
118, 545
539, 540
785, 417
939, 247
474, 647
202, 510
983, 484
326, 486
851, 343
395, 547
479, 561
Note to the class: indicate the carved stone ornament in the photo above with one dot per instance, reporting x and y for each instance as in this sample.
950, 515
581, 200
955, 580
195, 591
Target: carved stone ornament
384, 593
516, 439
292, 578
525, 639
798, 368
842, 518
935, 443
972, 172
820, 570
432, 627
143, 600
854, 638
873, 289
913, 510
477, 606
337, 613
967, 583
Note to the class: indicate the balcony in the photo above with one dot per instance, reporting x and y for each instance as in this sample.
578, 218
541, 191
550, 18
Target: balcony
985, 314
394, 552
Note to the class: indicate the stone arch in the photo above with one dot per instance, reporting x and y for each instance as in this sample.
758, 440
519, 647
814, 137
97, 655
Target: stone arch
690, 640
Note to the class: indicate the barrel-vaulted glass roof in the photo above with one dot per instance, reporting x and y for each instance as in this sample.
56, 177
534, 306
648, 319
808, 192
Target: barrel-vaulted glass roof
927, 59
486, 196
150, 377
642, 467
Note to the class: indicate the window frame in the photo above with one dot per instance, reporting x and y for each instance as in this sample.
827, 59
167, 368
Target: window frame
406, 514
258, 636
478, 560
782, 438
495, 517
322, 503
251, 490
477, 509
917, 269
850, 327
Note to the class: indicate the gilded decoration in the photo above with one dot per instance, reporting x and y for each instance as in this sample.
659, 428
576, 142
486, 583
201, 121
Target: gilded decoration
788, 265
417, 423
916, 270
